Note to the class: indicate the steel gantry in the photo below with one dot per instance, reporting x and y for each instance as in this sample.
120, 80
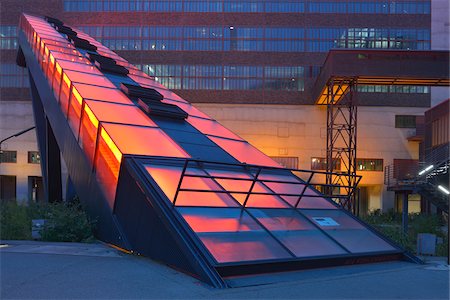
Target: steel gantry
341, 140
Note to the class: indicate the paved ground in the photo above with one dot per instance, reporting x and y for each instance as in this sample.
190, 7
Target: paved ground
33, 270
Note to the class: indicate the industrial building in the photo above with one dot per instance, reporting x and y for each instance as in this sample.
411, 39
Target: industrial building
252, 66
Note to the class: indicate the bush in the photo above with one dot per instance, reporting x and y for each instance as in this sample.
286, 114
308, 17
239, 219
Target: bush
15, 223
64, 222
389, 224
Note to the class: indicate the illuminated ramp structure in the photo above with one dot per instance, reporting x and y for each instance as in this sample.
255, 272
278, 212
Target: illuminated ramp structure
164, 180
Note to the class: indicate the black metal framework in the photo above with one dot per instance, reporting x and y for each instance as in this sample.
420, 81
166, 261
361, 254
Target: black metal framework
341, 140
254, 171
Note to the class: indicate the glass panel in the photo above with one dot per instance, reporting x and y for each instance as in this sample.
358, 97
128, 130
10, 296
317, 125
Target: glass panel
118, 113
244, 186
74, 114
107, 166
168, 178
88, 133
89, 79
67, 65
100, 93
65, 94
143, 141
68, 57
189, 109
231, 235
244, 152
296, 233
212, 127
297, 189
347, 231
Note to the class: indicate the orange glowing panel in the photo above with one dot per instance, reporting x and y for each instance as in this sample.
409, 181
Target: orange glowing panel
212, 127
244, 152
143, 141
74, 113
69, 57
57, 78
168, 178
118, 113
63, 50
89, 79
64, 94
94, 92
67, 65
88, 133
107, 166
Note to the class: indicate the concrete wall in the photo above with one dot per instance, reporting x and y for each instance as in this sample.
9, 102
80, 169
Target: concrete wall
300, 131
14, 117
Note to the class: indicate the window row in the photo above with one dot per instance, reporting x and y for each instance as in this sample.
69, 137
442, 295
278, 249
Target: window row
213, 77
362, 164
253, 6
8, 37
270, 39
8, 156
400, 89
13, 76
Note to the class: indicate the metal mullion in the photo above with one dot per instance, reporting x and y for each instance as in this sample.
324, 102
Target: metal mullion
308, 220
186, 162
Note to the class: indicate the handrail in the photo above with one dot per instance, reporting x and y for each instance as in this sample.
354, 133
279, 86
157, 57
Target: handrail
254, 172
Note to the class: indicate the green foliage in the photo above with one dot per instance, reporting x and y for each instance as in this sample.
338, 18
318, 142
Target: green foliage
15, 223
64, 222
390, 223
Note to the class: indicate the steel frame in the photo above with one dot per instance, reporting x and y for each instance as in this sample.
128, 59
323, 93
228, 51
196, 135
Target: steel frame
341, 140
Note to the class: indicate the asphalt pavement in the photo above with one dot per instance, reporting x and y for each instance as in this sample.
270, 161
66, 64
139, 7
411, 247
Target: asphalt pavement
38, 270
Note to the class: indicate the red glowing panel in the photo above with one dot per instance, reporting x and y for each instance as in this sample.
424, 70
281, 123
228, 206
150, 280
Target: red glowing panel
218, 220
100, 93
143, 141
264, 200
68, 65
244, 152
212, 127
89, 79
56, 82
231, 235
63, 50
118, 113
69, 57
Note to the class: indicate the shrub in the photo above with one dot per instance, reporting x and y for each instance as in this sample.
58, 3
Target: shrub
65, 222
15, 223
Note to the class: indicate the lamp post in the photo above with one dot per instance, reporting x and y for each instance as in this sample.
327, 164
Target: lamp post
14, 135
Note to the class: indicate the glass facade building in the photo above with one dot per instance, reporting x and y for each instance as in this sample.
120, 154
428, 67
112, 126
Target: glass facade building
247, 51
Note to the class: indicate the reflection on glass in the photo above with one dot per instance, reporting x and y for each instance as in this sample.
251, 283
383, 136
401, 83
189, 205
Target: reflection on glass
297, 233
347, 231
231, 235
244, 152
88, 133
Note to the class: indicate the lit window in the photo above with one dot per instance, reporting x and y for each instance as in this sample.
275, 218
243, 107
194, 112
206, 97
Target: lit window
34, 157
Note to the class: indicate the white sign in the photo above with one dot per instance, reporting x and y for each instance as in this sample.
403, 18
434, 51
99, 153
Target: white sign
325, 221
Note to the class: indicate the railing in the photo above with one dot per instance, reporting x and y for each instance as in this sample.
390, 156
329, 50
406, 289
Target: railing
253, 174
402, 172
